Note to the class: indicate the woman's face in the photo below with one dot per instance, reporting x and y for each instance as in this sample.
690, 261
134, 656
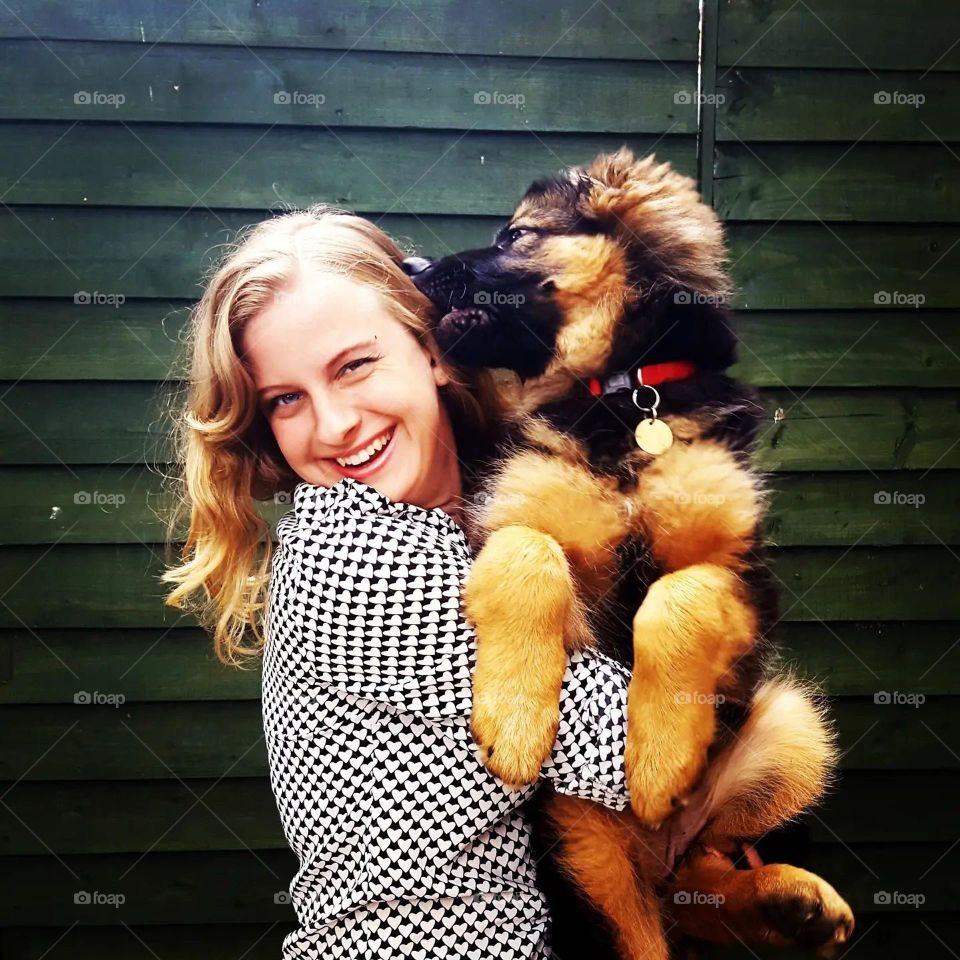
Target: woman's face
335, 373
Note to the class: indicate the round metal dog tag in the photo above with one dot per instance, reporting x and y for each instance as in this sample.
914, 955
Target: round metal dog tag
653, 436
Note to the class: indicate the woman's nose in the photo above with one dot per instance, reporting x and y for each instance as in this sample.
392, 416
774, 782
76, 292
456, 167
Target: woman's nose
333, 421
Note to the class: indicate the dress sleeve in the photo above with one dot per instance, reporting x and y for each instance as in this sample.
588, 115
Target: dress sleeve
587, 758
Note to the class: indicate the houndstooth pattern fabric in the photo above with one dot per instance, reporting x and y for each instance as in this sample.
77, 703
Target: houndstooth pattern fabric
407, 845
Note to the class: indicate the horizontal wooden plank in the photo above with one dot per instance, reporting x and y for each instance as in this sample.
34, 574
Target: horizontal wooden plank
225, 738
880, 35
852, 348
127, 504
866, 870
208, 941
418, 171
62, 340
57, 665
858, 429
871, 659
820, 266
131, 741
848, 659
130, 816
879, 182
880, 509
160, 888
191, 887
879, 806
887, 936
51, 666
851, 105
658, 29
884, 936
857, 583
231, 85
103, 585
75, 423
164, 253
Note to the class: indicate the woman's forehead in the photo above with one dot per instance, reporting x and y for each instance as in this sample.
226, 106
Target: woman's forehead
320, 316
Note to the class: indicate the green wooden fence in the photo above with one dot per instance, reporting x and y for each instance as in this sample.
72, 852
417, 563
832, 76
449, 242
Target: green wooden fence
138, 137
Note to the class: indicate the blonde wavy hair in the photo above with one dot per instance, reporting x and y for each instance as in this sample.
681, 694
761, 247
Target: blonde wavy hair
225, 456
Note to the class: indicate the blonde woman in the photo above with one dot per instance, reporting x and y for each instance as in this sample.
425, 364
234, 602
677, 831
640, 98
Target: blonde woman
313, 371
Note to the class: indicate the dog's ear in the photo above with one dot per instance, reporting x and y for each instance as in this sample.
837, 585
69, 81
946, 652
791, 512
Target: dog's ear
615, 169
672, 235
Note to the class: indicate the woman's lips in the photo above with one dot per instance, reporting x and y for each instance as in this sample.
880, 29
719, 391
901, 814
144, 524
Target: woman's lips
372, 465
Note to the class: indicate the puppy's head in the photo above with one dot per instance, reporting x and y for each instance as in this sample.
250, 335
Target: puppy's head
587, 266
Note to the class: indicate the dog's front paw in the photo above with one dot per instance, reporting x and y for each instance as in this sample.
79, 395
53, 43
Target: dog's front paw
659, 787
665, 757
514, 738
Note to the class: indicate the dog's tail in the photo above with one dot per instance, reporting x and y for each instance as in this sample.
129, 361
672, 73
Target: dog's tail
780, 763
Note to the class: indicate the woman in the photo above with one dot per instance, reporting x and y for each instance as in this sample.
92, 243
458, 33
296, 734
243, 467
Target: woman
313, 368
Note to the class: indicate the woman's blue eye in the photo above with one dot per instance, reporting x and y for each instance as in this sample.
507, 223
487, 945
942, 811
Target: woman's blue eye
346, 368
359, 360
275, 402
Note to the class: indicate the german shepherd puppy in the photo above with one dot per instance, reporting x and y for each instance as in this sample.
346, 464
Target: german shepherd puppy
621, 512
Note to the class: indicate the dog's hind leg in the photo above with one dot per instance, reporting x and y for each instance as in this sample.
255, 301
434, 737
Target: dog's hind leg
597, 849
775, 904
779, 764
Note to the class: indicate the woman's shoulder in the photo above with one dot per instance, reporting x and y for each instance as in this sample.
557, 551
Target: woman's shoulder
358, 515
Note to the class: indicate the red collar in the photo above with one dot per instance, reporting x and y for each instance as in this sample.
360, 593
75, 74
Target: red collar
649, 375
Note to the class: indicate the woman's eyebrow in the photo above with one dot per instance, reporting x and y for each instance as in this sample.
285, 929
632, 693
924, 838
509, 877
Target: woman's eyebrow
363, 345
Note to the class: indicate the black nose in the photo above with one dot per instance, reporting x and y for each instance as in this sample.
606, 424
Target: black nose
414, 265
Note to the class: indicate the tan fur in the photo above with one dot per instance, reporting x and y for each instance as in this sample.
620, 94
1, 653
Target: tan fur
599, 852
661, 210
689, 630
786, 742
592, 298
537, 431
562, 500
714, 901
697, 504
519, 596
780, 763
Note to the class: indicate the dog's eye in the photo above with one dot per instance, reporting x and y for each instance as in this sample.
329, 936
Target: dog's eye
512, 236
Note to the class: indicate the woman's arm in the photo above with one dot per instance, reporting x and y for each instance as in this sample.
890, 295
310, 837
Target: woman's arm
368, 592
587, 756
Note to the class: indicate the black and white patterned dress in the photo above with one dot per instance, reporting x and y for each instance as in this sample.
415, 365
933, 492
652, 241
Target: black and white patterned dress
408, 846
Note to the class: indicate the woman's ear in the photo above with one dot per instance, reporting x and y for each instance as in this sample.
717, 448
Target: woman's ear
440, 376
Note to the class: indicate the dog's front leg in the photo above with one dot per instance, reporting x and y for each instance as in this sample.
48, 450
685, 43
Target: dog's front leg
688, 633
519, 595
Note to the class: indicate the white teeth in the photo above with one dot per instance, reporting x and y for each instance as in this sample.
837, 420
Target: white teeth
364, 455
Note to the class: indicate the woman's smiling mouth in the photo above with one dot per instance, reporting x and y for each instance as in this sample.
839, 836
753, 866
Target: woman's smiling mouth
370, 458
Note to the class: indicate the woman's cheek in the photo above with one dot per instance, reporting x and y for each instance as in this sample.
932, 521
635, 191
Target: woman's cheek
290, 434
